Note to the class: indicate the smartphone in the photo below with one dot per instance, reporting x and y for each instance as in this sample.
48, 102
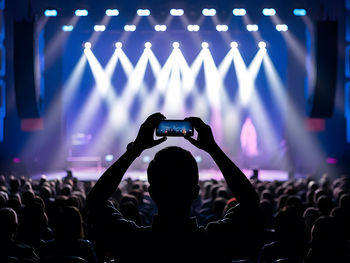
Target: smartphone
174, 128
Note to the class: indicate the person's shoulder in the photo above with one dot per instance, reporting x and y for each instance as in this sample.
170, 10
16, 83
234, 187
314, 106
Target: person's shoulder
25, 252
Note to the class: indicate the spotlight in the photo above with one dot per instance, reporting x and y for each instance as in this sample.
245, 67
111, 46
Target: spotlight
143, 12
148, 45
209, 12
109, 157
67, 28
269, 12
118, 45
262, 44
299, 12
50, 12
198, 158
160, 28
192, 28
99, 28
112, 12
282, 27
146, 159
87, 45
239, 12
176, 12
130, 28
252, 28
176, 45
81, 12
205, 45
234, 44
221, 28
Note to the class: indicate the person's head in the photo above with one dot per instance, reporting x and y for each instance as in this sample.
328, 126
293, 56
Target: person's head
69, 224
328, 240
310, 215
14, 185
173, 178
8, 223
324, 205
290, 225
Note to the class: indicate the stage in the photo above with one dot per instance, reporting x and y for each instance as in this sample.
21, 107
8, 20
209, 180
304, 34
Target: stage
92, 174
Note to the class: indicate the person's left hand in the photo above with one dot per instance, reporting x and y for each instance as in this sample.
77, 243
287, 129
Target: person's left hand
145, 137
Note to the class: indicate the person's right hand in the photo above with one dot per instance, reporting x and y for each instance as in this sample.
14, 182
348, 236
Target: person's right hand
205, 139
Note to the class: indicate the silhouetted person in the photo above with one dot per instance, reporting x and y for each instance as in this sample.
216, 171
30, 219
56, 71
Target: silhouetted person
69, 237
328, 242
9, 247
174, 236
291, 240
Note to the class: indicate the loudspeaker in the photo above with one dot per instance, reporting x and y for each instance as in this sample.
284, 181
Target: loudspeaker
320, 104
27, 70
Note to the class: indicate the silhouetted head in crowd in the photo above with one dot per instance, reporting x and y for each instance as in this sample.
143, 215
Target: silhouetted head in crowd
266, 208
281, 201
173, 178
290, 226
31, 219
324, 205
2, 180
328, 243
14, 202
8, 224
344, 202
310, 215
66, 190
267, 195
69, 224
318, 194
27, 197
14, 185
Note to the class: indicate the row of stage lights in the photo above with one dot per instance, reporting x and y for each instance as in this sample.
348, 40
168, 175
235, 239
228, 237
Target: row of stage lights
191, 28
178, 12
233, 44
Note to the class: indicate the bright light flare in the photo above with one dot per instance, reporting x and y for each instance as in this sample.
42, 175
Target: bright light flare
81, 12
112, 12
99, 28
281, 27
148, 45
109, 158
239, 12
234, 44
67, 28
299, 12
221, 28
176, 12
129, 28
209, 12
176, 45
118, 45
252, 27
160, 28
50, 12
193, 28
262, 44
143, 12
87, 45
269, 11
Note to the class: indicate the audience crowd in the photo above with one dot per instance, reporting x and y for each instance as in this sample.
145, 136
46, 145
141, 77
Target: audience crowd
304, 220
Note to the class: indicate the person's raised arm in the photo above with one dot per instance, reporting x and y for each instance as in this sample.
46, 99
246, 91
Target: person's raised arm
238, 183
111, 178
